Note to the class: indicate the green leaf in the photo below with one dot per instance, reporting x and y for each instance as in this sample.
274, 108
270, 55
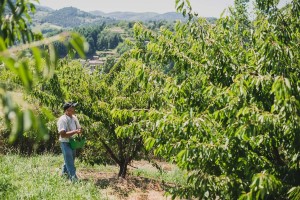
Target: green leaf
27, 116
37, 57
79, 44
181, 156
25, 75
287, 83
294, 193
149, 143
2, 45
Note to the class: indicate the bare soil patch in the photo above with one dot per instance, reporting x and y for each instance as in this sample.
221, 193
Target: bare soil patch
131, 188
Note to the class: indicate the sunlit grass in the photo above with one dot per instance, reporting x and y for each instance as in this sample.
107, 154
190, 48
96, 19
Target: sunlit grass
171, 174
38, 177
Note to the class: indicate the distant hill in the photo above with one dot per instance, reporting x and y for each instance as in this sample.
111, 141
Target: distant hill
69, 17
72, 17
144, 16
169, 16
41, 12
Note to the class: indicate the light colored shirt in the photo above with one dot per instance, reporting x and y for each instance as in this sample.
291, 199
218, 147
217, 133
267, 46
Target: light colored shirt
66, 123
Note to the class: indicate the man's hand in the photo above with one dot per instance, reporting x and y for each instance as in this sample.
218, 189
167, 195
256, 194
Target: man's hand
79, 131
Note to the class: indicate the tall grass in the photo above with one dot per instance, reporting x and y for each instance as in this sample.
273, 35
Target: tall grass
39, 177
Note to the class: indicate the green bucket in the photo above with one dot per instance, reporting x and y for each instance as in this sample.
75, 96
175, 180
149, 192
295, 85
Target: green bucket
77, 142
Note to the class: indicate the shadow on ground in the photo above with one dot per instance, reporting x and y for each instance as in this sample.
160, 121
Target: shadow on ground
133, 187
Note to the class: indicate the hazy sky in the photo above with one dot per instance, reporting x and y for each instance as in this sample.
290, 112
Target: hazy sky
205, 8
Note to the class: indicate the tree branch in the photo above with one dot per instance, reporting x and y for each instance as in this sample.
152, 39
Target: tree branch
111, 153
47, 41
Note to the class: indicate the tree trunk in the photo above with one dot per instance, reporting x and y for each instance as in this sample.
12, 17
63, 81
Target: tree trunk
122, 169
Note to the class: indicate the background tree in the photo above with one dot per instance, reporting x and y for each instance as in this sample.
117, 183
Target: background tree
108, 40
90, 33
113, 109
123, 47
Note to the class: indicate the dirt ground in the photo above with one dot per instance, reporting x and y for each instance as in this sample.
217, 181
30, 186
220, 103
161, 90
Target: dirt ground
131, 188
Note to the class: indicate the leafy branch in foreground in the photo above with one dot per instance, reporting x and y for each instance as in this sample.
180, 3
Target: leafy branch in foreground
18, 46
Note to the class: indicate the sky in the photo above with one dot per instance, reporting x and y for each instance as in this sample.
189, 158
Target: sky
205, 8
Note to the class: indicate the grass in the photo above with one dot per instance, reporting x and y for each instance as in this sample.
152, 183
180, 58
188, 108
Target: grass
38, 177
168, 173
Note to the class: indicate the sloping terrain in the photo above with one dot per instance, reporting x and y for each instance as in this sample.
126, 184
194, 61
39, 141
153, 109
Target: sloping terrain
72, 17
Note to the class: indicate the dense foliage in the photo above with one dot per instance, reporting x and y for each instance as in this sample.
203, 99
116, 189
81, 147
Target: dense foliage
98, 37
108, 40
230, 114
221, 101
90, 33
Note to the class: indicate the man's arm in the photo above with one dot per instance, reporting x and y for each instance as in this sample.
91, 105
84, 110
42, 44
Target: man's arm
62, 129
68, 134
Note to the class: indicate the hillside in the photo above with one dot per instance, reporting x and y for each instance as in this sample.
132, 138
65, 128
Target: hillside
144, 16
68, 17
169, 16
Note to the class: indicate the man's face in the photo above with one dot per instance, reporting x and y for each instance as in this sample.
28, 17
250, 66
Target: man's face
71, 111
